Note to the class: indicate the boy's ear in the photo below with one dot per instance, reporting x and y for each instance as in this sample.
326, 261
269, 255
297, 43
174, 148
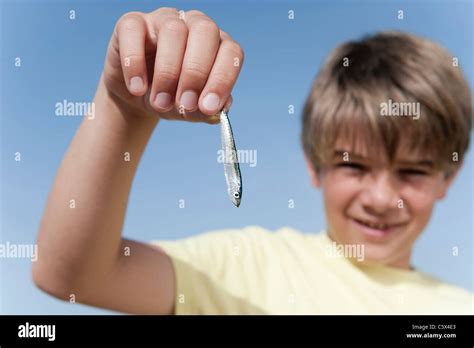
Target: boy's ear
447, 181
313, 174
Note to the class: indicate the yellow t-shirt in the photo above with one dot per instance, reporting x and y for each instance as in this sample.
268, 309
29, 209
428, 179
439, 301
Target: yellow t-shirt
256, 271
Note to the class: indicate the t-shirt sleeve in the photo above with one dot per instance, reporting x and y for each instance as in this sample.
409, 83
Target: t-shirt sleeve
213, 272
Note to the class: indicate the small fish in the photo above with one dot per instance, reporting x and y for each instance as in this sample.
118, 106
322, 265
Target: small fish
231, 161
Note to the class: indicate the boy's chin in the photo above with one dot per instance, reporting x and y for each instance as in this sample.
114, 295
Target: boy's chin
373, 252
378, 255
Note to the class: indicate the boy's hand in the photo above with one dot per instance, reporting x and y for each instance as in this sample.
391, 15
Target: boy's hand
177, 65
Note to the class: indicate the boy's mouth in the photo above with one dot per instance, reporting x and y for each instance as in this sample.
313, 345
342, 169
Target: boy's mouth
375, 229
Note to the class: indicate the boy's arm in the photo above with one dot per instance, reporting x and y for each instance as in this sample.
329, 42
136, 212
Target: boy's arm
82, 255
81, 251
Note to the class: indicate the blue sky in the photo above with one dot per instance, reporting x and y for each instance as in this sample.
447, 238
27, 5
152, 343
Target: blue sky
63, 58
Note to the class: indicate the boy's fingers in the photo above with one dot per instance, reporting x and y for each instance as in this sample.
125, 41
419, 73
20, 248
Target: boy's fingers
223, 76
172, 36
198, 116
201, 49
156, 19
131, 31
228, 103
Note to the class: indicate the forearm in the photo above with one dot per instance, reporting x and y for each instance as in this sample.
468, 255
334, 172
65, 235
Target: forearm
80, 233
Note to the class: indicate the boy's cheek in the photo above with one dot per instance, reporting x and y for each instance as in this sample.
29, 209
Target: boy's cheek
420, 214
336, 203
420, 203
338, 193
337, 187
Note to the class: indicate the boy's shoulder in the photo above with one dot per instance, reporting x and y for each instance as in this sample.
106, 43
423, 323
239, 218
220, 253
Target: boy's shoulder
257, 240
449, 291
257, 233
293, 238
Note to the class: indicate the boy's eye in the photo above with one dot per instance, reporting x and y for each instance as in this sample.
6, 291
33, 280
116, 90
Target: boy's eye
352, 165
414, 172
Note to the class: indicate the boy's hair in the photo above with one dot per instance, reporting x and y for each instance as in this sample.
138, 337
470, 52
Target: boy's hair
389, 67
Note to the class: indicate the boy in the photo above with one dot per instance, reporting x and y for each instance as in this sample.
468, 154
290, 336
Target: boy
385, 129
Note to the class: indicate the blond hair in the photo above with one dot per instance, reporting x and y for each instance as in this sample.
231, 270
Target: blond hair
359, 76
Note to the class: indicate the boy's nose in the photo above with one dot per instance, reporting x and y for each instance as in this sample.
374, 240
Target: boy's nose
379, 193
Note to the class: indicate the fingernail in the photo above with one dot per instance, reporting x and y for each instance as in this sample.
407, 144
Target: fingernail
211, 102
163, 100
136, 84
189, 100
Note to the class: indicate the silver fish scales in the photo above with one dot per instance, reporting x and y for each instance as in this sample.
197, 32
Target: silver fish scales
231, 161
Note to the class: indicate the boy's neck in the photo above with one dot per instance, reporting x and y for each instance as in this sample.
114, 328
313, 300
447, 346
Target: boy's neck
403, 261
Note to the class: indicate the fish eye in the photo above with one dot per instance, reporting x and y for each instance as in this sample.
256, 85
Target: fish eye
236, 195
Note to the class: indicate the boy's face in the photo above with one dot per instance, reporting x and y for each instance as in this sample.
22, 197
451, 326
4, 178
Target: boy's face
383, 206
